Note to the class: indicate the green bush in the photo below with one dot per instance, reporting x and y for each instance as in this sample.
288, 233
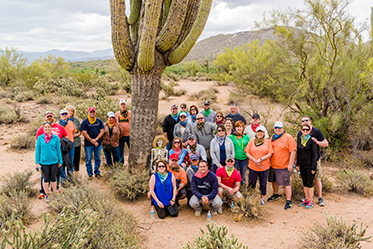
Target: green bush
130, 185
15, 206
34, 125
18, 181
69, 87
215, 237
25, 96
297, 187
168, 89
102, 104
44, 99
23, 141
248, 207
355, 180
7, 115
203, 95
180, 92
336, 234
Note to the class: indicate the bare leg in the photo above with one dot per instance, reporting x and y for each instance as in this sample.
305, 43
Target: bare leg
220, 193
287, 192
275, 188
310, 194
306, 193
46, 187
54, 187
318, 186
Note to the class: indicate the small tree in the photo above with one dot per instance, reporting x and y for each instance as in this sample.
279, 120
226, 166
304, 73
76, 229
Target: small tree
157, 33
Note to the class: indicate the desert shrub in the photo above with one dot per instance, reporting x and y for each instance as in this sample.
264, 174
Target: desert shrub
180, 92
215, 237
44, 99
168, 88
44, 85
117, 226
15, 206
18, 181
7, 115
23, 141
4, 94
34, 125
297, 187
335, 234
105, 88
102, 104
248, 207
23, 96
355, 180
69, 87
130, 185
203, 95
327, 184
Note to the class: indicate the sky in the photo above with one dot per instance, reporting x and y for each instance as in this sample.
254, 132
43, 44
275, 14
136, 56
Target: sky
84, 25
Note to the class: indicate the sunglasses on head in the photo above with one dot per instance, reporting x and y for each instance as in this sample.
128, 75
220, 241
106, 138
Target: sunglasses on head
161, 166
305, 120
278, 127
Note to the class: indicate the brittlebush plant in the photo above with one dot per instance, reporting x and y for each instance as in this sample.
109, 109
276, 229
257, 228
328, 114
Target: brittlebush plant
355, 180
248, 207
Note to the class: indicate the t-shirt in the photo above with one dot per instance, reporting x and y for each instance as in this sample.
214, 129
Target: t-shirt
124, 122
226, 180
258, 152
181, 175
92, 129
57, 130
70, 129
316, 133
239, 146
281, 151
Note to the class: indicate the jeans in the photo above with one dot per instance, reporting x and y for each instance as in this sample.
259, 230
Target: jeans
169, 146
263, 176
122, 143
89, 150
241, 166
113, 154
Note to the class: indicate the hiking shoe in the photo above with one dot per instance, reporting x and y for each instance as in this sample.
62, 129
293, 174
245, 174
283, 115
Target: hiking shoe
198, 213
309, 205
98, 176
303, 199
214, 212
303, 203
262, 203
220, 210
321, 202
41, 196
90, 178
288, 205
46, 198
273, 198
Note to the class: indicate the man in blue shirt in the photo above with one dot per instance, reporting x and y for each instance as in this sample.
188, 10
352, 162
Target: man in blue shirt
92, 130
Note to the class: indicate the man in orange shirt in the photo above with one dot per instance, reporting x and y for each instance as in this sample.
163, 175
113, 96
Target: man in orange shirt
284, 152
123, 118
180, 176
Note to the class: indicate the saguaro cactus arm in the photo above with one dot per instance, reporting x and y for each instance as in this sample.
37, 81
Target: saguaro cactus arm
181, 51
172, 28
123, 48
135, 11
145, 58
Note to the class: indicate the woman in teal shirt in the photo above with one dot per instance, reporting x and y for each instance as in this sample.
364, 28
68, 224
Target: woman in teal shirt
240, 140
48, 155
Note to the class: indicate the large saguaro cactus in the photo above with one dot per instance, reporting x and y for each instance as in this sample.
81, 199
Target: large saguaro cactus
156, 34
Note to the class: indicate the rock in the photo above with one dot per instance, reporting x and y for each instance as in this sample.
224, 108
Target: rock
272, 222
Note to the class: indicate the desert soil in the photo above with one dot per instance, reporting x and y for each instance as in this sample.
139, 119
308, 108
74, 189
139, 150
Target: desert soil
278, 229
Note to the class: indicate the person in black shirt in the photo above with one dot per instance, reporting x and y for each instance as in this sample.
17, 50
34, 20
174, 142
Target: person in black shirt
318, 137
168, 125
235, 116
307, 164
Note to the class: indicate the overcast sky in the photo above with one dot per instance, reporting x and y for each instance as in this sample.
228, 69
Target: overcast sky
84, 25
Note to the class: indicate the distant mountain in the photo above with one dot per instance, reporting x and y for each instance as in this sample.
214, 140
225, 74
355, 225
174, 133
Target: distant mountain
72, 55
210, 47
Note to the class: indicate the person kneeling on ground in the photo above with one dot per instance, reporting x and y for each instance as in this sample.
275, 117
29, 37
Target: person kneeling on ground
180, 176
163, 191
229, 180
205, 190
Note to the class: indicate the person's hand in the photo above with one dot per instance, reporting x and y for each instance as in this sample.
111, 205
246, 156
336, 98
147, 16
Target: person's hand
257, 161
149, 195
185, 144
220, 166
93, 141
168, 141
313, 172
260, 165
290, 167
36, 166
183, 165
205, 200
231, 191
314, 139
96, 144
59, 165
160, 204
172, 202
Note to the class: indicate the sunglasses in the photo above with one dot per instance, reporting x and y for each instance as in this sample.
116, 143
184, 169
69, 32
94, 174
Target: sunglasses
219, 116
220, 130
64, 114
183, 107
206, 105
193, 109
92, 111
305, 120
199, 118
230, 161
183, 116
305, 129
278, 127
161, 166
176, 142
49, 116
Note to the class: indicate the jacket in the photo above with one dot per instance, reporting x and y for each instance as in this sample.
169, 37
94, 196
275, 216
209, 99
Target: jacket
116, 135
48, 153
205, 135
215, 150
66, 147
177, 131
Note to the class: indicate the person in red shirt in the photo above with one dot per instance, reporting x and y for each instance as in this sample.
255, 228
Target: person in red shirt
58, 130
229, 180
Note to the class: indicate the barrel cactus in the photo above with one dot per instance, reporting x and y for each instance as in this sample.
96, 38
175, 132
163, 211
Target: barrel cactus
156, 34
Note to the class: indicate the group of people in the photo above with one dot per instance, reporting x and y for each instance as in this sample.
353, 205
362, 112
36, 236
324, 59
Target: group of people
58, 144
209, 155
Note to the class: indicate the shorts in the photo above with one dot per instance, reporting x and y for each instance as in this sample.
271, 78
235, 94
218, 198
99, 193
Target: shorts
280, 176
226, 193
318, 175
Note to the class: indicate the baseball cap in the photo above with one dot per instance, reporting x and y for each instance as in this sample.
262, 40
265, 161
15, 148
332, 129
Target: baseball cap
48, 112
63, 111
206, 102
260, 128
91, 109
193, 157
256, 115
122, 101
230, 157
278, 124
183, 114
111, 114
174, 106
191, 136
174, 156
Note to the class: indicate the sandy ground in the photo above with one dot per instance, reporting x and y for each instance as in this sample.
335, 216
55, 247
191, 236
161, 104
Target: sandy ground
279, 228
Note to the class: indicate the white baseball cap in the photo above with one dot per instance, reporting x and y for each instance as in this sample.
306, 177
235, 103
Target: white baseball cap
122, 101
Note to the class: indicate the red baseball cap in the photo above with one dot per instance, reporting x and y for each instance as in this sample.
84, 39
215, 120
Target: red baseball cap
174, 156
91, 109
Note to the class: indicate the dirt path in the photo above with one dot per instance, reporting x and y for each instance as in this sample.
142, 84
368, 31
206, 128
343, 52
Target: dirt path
279, 229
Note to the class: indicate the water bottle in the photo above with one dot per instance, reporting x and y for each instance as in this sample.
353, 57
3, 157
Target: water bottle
39, 167
152, 213
232, 204
209, 216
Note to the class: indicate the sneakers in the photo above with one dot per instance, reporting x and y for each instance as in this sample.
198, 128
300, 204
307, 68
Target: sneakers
309, 205
90, 178
288, 205
214, 213
198, 213
41, 196
46, 198
220, 210
303, 203
321, 202
98, 176
262, 203
273, 198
